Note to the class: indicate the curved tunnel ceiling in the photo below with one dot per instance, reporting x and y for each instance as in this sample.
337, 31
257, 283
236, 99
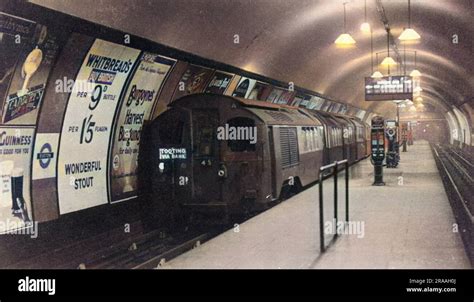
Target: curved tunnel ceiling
293, 40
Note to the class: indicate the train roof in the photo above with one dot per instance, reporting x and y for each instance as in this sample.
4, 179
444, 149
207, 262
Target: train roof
269, 113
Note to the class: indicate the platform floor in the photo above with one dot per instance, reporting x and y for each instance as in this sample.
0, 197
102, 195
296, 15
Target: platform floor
406, 224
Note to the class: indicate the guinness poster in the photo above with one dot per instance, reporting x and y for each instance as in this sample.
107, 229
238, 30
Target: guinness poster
15, 162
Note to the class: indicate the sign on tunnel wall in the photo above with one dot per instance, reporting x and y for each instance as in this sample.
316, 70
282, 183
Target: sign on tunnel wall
28, 52
194, 80
135, 109
15, 198
86, 131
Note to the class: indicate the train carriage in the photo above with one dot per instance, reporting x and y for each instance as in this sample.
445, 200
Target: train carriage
333, 148
195, 149
360, 138
348, 135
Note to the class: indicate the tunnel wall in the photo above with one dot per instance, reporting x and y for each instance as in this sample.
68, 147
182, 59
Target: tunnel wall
75, 96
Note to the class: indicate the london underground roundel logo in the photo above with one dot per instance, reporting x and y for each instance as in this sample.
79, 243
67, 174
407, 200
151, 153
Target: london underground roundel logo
45, 155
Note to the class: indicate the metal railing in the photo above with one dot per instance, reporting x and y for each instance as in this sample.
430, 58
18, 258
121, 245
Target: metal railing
335, 171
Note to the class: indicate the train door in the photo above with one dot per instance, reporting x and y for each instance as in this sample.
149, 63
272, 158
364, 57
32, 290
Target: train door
206, 183
166, 176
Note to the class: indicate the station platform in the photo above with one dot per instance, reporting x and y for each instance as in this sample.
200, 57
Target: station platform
408, 223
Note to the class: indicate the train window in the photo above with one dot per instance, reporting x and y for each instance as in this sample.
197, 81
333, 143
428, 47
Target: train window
246, 127
319, 138
204, 128
310, 139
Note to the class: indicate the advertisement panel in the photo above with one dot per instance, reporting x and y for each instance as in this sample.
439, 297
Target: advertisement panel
35, 57
135, 109
259, 91
315, 103
11, 29
219, 82
194, 80
297, 100
15, 162
44, 156
326, 105
244, 88
86, 131
274, 95
286, 98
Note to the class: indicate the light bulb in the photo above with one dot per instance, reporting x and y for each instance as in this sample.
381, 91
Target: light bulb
365, 28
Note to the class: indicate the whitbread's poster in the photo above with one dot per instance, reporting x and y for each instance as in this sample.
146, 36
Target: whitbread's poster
136, 108
85, 136
15, 157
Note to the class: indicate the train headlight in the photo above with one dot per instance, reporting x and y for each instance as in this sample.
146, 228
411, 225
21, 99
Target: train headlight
222, 171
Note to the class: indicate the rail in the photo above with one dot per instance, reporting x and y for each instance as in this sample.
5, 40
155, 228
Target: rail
335, 171
464, 217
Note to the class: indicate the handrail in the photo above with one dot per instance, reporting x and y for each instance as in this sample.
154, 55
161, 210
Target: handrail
335, 172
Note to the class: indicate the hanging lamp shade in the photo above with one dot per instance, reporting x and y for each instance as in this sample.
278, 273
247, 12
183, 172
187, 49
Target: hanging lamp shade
409, 34
345, 40
415, 73
377, 75
365, 27
388, 61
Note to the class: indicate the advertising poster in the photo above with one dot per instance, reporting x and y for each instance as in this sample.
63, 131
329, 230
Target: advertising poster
326, 105
342, 109
28, 81
44, 156
334, 107
135, 109
316, 103
286, 98
244, 88
15, 157
297, 100
219, 82
85, 136
274, 95
194, 80
15, 34
258, 91
305, 102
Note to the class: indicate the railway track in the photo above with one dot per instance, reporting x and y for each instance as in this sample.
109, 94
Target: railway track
112, 249
456, 170
147, 250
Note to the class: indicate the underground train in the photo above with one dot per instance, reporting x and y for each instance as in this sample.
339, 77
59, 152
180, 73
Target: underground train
212, 157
